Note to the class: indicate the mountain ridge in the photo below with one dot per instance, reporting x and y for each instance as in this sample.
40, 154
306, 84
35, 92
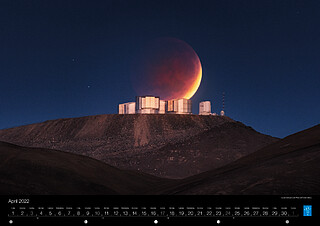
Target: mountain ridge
34, 171
290, 165
286, 167
171, 146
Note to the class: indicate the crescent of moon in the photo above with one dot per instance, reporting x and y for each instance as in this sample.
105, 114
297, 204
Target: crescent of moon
194, 87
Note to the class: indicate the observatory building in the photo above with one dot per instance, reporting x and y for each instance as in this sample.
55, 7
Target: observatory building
179, 106
147, 105
127, 108
205, 108
153, 105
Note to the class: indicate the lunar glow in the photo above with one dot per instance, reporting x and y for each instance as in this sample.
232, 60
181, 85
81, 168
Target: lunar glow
195, 85
168, 68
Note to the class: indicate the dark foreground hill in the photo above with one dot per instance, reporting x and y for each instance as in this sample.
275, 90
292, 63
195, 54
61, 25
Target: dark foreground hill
44, 171
289, 166
172, 146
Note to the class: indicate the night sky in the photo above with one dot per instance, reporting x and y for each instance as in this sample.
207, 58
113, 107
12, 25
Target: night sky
62, 59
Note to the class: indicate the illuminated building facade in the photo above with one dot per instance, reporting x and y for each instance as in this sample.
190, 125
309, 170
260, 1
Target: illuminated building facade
127, 108
205, 108
179, 106
147, 105
153, 105
162, 108
170, 106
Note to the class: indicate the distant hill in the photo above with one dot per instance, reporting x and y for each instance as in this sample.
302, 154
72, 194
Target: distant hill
26, 171
289, 166
171, 146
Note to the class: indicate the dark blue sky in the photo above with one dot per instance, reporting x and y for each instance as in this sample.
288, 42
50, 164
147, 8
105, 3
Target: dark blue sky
61, 59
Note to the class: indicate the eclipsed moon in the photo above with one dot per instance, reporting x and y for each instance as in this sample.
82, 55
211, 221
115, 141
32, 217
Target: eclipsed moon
168, 68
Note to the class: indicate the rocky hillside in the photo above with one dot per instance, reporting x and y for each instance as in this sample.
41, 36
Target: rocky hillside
172, 146
38, 171
286, 167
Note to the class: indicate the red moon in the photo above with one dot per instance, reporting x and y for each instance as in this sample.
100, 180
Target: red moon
168, 68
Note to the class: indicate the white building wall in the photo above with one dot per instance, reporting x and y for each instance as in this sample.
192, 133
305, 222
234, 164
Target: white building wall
148, 111
130, 108
147, 104
179, 106
127, 108
205, 108
185, 106
121, 109
176, 106
162, 109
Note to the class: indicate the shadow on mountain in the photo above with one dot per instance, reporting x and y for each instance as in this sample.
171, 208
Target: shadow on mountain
288, 166
44, 171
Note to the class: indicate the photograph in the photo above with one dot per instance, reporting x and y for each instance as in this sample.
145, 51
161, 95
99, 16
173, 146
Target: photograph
159, 111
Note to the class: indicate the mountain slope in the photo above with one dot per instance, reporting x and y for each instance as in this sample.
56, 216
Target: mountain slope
43, 171
172, 146
289, 166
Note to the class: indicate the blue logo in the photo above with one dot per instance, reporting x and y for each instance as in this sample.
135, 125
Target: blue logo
307, 210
